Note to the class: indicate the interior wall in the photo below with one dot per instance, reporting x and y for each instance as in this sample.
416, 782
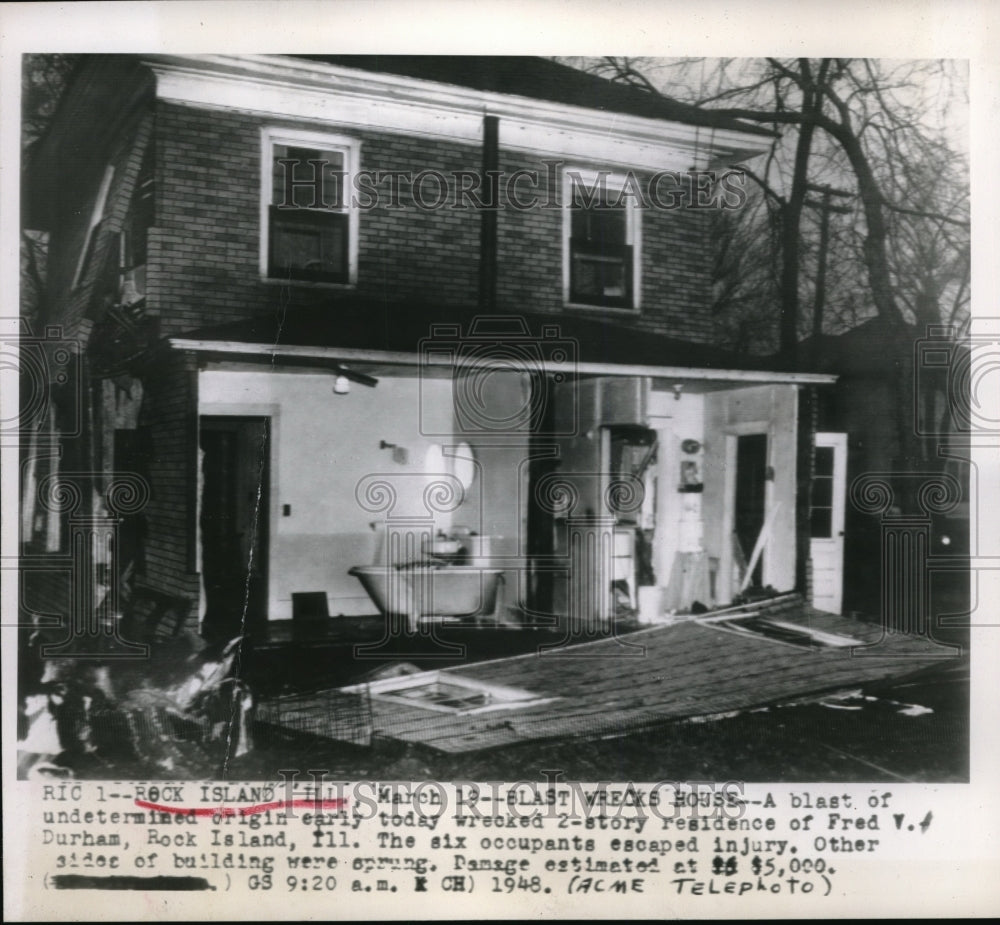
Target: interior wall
675, 420
325, 446
493, 415
582, 408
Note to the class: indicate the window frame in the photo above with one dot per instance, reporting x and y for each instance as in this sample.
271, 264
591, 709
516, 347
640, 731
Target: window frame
140, 217
498, 696
350, 149
813, 506
633, 237
94, 226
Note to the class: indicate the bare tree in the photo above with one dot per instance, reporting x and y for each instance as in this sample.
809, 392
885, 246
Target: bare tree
746, 275
43, 79
872, 128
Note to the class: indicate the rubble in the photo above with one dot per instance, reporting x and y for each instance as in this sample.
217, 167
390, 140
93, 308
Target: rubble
168, 715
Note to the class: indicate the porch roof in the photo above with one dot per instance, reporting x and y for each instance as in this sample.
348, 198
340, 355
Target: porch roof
359, 330
695, 667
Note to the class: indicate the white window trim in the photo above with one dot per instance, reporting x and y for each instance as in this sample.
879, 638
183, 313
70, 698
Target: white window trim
505, 698
633, 236
96, 215
351, 149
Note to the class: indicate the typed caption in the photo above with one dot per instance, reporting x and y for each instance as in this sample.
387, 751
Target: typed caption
500, 846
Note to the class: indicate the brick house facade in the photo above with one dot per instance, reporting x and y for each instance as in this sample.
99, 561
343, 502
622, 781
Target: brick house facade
156, 183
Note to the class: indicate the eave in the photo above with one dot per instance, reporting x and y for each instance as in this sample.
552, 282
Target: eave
275, 354
287, 87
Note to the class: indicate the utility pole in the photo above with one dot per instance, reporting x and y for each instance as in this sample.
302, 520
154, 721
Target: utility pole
825, 207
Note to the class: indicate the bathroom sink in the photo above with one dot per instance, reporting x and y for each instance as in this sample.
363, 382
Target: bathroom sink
443, 548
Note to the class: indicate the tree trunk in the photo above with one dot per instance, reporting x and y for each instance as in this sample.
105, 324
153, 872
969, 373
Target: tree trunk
875, 253
791, 220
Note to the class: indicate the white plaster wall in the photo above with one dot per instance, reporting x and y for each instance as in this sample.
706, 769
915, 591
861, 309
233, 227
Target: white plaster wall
675, 420
323, 445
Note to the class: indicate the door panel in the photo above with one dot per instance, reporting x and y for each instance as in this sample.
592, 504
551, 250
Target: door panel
826, 521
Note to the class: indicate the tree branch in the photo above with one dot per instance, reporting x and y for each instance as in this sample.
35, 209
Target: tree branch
919, 213
764, 185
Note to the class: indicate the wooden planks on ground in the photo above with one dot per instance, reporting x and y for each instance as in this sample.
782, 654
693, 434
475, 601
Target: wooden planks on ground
693, 668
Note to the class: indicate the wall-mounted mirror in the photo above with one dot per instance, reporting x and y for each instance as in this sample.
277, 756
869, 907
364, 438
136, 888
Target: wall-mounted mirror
463, 462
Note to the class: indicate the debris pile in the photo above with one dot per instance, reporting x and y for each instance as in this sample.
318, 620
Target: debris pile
172, 715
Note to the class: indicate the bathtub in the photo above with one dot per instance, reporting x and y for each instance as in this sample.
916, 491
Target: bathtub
420, 592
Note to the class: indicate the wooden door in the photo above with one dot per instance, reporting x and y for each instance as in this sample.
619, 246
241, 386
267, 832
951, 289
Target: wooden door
826, 521
235, 503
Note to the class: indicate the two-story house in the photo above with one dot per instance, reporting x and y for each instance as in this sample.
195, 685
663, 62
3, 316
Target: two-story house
347, 314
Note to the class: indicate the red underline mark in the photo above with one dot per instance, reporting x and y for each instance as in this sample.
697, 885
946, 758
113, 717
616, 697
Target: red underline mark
243, 810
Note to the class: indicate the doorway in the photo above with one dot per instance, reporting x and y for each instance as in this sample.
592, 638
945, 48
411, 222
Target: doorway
751, 498
235, 524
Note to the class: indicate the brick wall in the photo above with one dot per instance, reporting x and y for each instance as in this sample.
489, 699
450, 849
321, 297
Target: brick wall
203, 269
676, 260
204, 251
170, 405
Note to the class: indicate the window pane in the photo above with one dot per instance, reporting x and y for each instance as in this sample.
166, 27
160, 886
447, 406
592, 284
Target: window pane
609, 227
296, 181
601, 225
822, 491
600, 260
824, 460
598, 278
309, 245
600, 275
820, 522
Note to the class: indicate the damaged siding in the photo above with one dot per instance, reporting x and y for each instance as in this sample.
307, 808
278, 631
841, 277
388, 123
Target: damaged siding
72, 305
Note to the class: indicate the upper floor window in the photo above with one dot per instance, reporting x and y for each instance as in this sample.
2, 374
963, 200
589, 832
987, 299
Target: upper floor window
307, 209
601, 238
